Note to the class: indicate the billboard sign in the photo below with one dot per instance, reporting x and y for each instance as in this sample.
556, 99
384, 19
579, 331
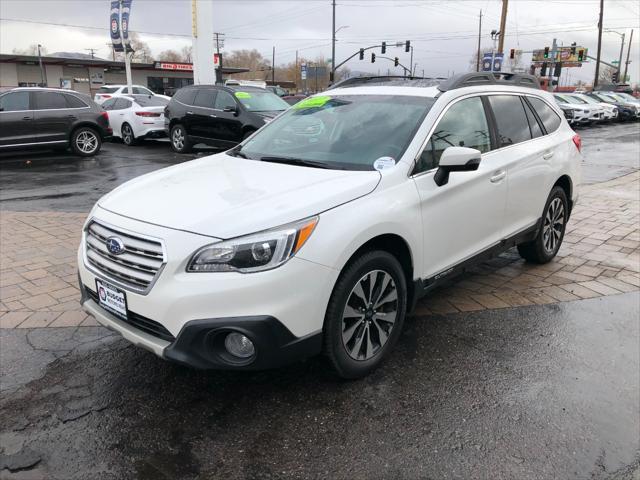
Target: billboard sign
563, 54
303, 71
183, 67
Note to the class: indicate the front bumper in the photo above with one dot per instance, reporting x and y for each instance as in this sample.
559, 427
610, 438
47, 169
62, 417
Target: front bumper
200, 343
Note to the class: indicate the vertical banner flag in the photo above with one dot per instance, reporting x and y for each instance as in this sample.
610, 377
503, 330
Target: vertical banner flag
126, 12
487, 62
115, 26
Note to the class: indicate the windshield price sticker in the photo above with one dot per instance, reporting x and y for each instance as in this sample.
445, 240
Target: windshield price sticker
312, 102
242, 95
383, 163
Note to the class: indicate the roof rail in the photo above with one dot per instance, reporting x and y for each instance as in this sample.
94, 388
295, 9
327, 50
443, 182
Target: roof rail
489, 78
389, 80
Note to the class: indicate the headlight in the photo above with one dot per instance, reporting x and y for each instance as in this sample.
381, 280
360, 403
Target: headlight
256, 252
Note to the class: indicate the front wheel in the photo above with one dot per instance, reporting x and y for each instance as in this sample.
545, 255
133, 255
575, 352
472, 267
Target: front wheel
554, 223
180, 140
365, 314
85, 142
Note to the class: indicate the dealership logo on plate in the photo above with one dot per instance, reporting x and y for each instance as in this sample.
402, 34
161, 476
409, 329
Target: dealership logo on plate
115, 246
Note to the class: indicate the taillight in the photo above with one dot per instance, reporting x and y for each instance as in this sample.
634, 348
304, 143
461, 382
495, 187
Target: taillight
105, 115
104, 95
148, 114
577, 141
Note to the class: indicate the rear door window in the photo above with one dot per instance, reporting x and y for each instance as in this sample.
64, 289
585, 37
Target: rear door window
224, 99
205, 98
511, 119
550, 119
534, 125
122, 103
141, 91
74, 102
50, 101
185, 95
14, 102
109, 104
108, 89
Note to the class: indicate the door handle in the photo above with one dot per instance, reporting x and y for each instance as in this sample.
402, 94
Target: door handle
547, 155
498, 176
26, 118
214, 116
189, 113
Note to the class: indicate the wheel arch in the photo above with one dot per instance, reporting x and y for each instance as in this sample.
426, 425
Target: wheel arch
82, 124
566, 184
398, 247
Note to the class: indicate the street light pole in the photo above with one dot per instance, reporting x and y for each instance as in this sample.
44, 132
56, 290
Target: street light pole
333, 43
43, 75
503, 25
595, 80
626, 64
620, 58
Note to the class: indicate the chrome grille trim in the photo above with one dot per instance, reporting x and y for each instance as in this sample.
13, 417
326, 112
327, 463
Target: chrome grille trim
137, 269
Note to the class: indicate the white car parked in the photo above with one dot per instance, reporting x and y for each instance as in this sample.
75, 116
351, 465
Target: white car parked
582, 113
136, 117
300, 241
108, 91
610, 111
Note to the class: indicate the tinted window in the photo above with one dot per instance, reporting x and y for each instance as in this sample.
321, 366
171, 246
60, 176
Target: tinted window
224, 99
74, 102
511, 119
122, 103
15, 101
145, 101
50, 100
109, 104
185, 95
205, 98
463, 125
141, 91
549, 117
534, 126
108, 89
261, 101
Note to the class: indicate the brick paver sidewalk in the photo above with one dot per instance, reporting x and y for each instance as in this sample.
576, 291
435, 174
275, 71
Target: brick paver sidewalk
600, 256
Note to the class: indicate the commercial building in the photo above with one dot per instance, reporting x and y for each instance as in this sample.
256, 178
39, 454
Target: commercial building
88, 75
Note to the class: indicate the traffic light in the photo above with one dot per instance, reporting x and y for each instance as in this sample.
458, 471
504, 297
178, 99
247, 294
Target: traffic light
543, 70
373, 57
546, 52
512, 53
573, 49
580, 55
362, 54
407, 46
614, 77
384, 47
557, 69
395, 62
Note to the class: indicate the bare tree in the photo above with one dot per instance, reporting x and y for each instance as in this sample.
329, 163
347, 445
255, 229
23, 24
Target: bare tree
170, 56
252, 59
142, 52
187, 54
30, 50
606, 75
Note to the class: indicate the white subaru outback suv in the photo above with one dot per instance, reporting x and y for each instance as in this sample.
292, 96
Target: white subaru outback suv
319, 232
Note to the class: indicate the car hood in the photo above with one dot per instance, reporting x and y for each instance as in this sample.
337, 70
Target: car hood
225, 197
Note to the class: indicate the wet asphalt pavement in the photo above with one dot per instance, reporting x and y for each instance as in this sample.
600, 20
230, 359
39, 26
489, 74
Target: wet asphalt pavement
533, 392
37, 181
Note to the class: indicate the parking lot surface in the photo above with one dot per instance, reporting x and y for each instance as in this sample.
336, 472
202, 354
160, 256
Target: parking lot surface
512, 371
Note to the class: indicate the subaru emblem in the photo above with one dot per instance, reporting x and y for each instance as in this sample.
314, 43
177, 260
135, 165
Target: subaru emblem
115, 246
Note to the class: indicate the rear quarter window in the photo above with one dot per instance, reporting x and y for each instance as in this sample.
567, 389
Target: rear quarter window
74, 102
108, 89
550, 119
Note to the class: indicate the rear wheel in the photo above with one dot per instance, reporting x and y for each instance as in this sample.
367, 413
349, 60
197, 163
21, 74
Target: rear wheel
365, 314
128, 138
180, 140
85, 142
554, 223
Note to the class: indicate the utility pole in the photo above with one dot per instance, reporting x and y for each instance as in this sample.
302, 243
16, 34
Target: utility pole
595, 80
295, 77
113, 52
273, 66
93, 52
218, 79
43, 74
620, 59
554, 54
333, 44
411, 62
479, 34
503, 25
626, 64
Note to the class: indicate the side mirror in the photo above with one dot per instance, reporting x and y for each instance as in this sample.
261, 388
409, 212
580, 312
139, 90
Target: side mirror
230, 108
456, 159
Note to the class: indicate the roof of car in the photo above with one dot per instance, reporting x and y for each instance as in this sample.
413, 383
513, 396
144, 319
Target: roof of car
233, 88
44, 89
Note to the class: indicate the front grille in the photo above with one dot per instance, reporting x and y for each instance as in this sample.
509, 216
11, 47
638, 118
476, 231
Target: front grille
136, 268
138, 321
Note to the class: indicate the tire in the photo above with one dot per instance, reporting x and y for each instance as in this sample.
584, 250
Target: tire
128, 138
86, 142
359, 335
545, 246
247, 134
180, 142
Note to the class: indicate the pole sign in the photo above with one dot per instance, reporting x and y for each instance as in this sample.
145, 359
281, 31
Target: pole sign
124, 24
114, 26
303, 71
566, 55
184, 67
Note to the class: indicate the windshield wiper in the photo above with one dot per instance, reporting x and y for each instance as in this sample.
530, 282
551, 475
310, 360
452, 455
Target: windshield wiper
236, 152
296, 161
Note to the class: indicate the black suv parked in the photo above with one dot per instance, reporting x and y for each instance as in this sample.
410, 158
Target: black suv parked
218, 115
50, 118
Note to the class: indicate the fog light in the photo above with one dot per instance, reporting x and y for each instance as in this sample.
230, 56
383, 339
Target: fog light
239, 345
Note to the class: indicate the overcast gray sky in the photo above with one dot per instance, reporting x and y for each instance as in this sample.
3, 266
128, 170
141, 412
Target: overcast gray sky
444, 32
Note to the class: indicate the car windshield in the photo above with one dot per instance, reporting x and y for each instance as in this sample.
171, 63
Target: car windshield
567, 99
261, 101
610, 98
626, 97
587, 99
574, 99
342, 131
